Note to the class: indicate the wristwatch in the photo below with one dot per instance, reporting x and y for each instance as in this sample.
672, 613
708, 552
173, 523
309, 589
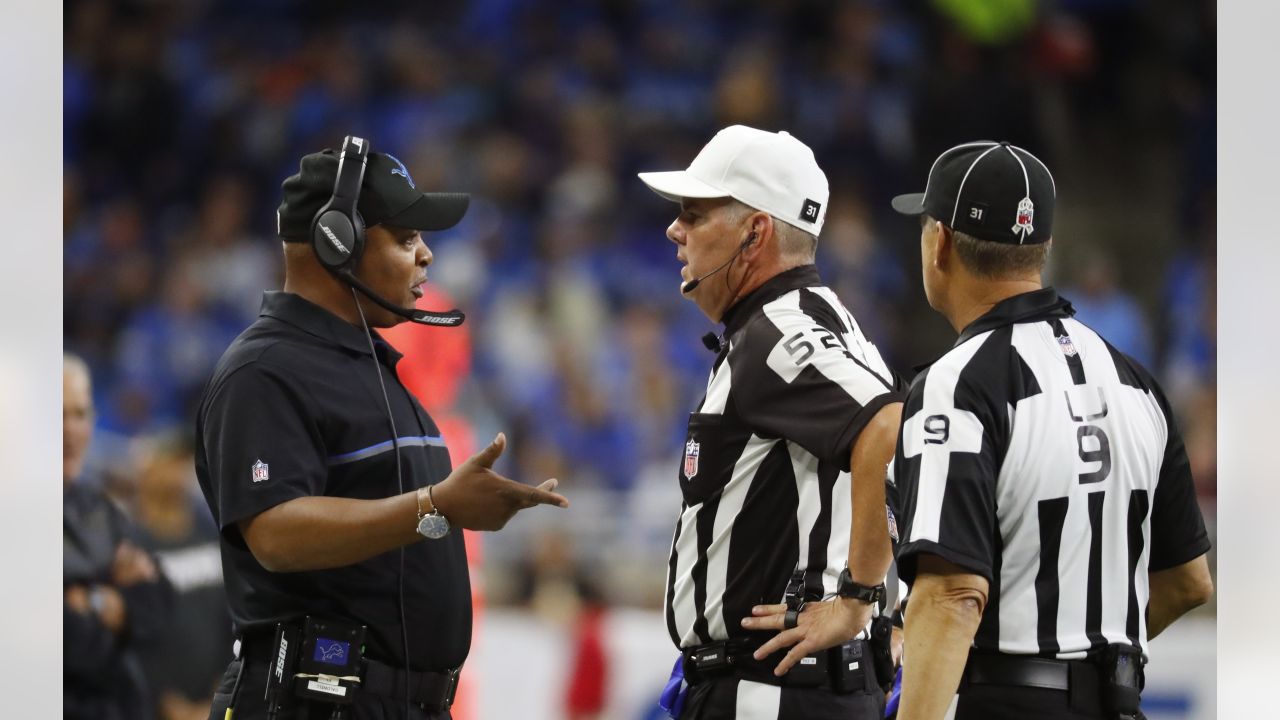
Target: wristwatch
432, 525
847, 588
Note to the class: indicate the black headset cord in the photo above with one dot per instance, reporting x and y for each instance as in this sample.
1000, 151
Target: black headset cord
395, 445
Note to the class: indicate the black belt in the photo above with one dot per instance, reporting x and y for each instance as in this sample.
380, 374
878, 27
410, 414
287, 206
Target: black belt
1025, 672
433, 690
1107, 681
734, 657
1036, 672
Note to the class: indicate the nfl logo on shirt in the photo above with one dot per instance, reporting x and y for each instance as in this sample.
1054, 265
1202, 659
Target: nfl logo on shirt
691, 450
260, 473
1068, 347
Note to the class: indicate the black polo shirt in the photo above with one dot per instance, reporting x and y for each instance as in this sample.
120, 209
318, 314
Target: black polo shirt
294, 409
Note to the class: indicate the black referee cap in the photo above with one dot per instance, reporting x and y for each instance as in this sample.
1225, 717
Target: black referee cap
989, 190
387, 196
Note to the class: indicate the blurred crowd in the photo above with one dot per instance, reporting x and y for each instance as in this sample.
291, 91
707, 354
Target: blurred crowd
181, 118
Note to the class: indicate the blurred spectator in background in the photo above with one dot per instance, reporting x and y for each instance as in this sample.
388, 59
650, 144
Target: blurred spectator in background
1102, 304
167, 349
114, 597
1191, 348
234, 263
556, 585
183, 665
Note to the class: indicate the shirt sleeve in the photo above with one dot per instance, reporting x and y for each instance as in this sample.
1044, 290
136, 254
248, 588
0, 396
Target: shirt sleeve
1178, 533
946, 467
796, 380
263, 443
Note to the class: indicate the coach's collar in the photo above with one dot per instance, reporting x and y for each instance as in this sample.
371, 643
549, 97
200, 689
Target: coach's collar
773, 288
1036, 305
315, 320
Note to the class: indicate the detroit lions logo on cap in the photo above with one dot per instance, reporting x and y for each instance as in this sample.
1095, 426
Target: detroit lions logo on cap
1022, 223
401, 170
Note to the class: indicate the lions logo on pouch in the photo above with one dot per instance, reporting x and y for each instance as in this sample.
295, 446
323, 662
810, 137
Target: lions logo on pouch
1026, 211
691, 450
333, 652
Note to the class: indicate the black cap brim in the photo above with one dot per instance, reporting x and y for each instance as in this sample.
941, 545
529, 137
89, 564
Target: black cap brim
909, 204
432, 211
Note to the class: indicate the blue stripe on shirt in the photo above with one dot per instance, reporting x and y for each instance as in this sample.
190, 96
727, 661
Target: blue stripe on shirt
385, 446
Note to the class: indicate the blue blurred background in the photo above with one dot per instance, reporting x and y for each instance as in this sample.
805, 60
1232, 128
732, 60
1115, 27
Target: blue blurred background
182, 118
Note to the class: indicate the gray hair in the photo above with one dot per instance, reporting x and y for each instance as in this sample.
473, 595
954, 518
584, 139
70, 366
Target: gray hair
796, 246
1000, 261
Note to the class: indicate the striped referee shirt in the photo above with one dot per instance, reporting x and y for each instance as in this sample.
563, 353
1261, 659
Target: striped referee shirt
1038, 456
765, 472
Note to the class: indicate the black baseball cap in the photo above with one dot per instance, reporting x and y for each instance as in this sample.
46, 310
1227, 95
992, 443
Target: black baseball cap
989, 190
387, 196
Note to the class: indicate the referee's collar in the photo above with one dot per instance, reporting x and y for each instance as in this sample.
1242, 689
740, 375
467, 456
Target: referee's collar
773, 288
315, 320
1036, 305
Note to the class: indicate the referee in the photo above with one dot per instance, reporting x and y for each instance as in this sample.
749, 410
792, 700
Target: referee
783, 472
1049, 520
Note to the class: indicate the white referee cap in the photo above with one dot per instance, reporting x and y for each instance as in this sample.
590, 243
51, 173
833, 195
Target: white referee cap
773, 172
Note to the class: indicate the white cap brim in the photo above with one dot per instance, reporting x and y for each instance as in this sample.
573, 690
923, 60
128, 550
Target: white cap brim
676, 185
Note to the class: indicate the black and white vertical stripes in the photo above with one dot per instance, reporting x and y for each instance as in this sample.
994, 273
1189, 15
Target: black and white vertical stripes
1035, 454
765, 470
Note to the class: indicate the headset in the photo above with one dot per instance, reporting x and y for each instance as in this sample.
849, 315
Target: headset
337, 235
337, 230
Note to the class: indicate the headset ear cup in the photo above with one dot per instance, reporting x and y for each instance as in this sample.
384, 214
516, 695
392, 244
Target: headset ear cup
333, 238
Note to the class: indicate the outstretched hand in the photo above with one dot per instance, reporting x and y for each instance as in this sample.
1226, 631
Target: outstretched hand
477, 498
820, 626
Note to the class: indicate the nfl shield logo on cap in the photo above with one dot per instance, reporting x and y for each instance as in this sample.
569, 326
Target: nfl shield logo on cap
691, 450
260, 472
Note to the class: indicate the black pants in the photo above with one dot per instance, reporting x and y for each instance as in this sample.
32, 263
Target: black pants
1000, 702
250, 704
733, 699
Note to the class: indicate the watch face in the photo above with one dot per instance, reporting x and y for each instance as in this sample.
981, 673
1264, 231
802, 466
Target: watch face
433, 526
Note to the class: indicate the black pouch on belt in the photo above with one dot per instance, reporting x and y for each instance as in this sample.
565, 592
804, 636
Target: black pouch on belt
851, 669
1122, 678
882, 650
330, 662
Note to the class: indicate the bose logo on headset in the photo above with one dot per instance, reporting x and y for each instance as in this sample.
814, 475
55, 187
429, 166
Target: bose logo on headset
334, 239
430, 320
